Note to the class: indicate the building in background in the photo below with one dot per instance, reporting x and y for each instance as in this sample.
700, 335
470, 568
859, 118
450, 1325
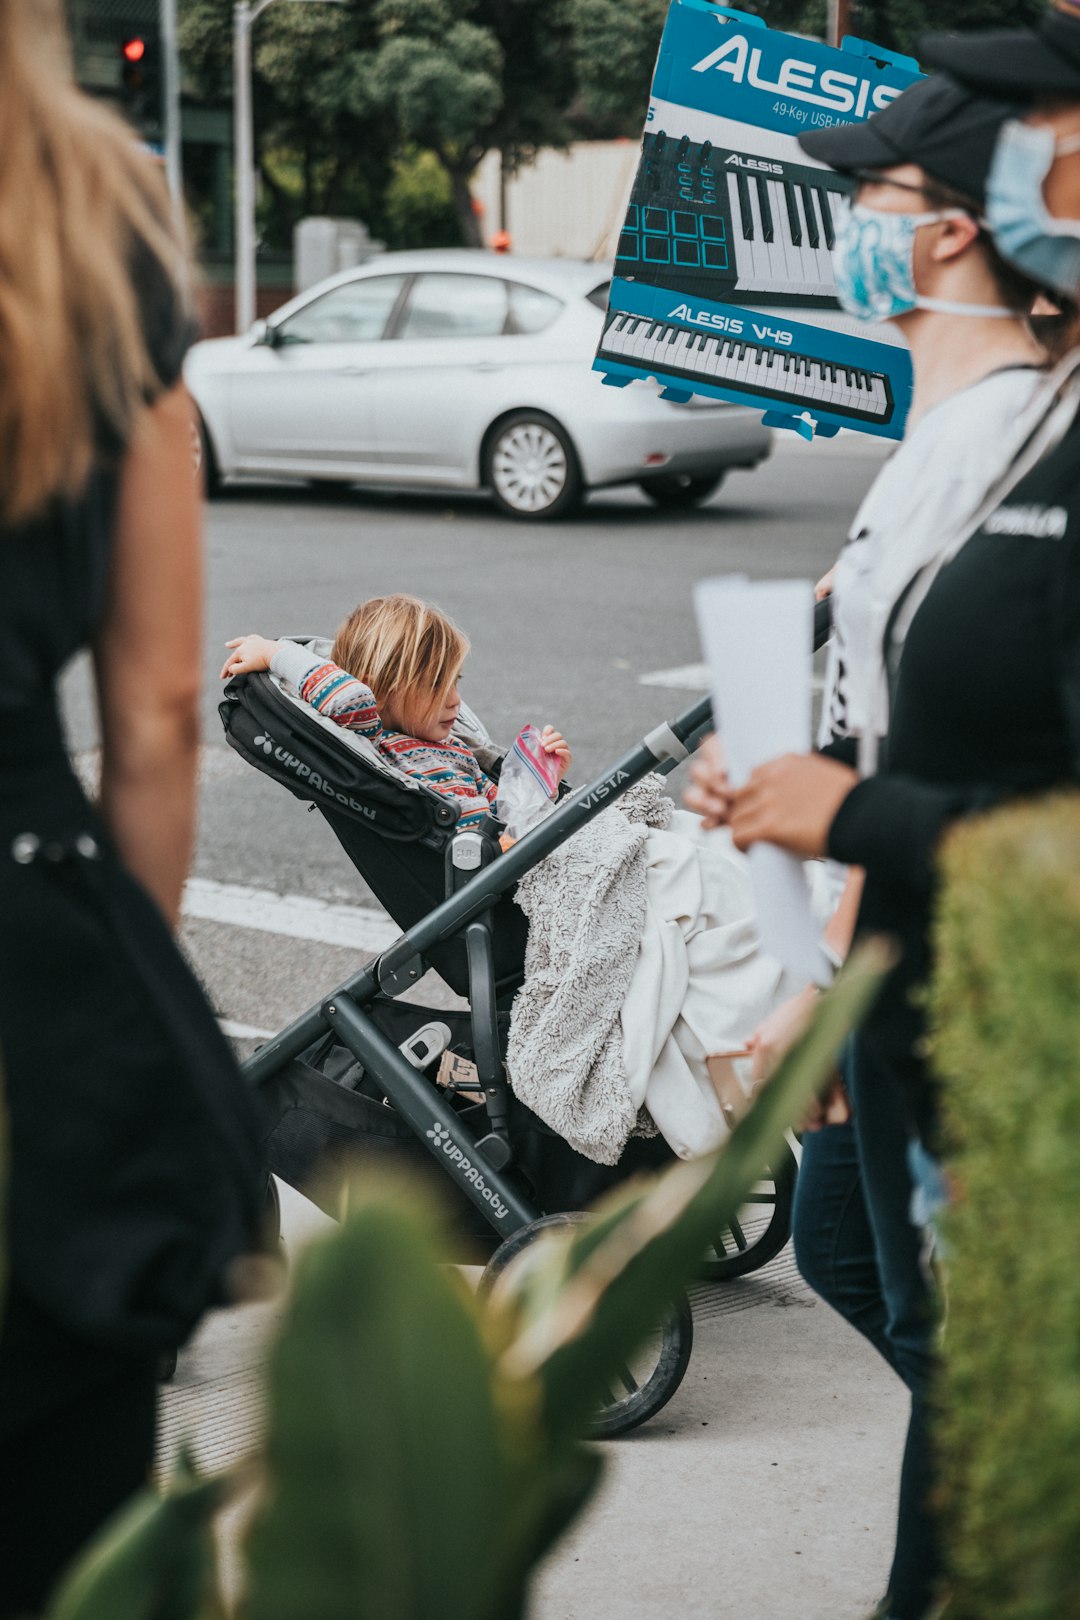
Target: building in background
567, 205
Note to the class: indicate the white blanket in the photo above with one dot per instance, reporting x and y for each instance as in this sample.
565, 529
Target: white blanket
642, 959
701, 983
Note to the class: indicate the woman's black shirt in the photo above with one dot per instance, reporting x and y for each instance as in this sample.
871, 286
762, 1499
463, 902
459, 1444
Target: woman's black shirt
986, 707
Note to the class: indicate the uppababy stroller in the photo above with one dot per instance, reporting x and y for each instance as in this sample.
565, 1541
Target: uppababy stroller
348, 1082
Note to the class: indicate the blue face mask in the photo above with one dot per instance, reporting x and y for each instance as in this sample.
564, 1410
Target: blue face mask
1024, 231
873, 263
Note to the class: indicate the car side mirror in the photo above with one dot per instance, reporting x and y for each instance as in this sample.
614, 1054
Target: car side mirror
262, 333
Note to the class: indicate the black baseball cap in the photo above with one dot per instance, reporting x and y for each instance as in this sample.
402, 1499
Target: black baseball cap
1016, 63
936, 123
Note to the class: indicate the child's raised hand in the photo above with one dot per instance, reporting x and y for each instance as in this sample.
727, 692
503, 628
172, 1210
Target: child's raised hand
553, 742
246, 654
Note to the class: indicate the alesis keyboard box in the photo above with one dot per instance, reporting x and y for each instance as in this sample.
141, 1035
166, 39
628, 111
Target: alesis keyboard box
723, 280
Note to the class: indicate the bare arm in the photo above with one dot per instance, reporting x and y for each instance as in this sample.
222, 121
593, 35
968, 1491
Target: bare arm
784, 1025
147, 655
840, 928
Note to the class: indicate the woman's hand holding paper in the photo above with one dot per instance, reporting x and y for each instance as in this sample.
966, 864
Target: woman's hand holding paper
791, 802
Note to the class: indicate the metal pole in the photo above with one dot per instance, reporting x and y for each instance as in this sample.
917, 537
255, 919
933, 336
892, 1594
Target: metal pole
244, 14
839, 20
244, 178
171, 91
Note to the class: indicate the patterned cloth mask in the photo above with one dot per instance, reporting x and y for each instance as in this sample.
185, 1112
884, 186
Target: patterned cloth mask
874, 269
872, 261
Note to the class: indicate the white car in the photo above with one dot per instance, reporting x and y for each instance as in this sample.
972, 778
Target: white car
456, 369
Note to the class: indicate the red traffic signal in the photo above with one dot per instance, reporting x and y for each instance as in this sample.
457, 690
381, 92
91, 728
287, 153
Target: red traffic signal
140, 86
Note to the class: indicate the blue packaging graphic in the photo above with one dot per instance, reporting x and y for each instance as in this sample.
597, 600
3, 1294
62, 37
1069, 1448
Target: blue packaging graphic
723, 280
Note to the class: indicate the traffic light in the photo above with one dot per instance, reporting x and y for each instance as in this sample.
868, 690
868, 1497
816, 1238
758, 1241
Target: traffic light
141, 82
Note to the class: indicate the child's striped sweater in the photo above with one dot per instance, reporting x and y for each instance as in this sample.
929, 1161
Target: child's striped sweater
450, 768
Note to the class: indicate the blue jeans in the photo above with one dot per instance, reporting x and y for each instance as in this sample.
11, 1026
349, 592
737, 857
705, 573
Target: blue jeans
856, 1246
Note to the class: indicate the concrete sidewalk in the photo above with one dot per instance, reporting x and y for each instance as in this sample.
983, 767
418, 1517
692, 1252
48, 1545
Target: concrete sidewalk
766, 1489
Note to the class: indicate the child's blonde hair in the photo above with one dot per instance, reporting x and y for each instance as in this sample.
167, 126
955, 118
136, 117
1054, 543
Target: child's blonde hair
407, 652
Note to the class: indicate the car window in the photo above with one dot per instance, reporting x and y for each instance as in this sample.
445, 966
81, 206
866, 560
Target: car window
448, 306
599, 295
354, 313
530, 309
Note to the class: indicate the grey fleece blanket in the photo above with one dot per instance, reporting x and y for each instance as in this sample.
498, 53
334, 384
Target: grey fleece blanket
586, 909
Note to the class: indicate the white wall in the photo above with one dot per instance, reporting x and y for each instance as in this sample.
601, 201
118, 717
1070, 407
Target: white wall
566, 204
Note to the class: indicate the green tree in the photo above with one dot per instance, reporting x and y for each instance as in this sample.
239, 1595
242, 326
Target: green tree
897, 24
615, 46
323, 144
461, 77
419, 207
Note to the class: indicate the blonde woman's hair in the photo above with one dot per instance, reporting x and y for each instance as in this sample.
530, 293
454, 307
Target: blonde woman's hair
405, 650
77, 200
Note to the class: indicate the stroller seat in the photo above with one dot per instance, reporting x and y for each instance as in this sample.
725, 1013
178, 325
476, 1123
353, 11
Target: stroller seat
394, 828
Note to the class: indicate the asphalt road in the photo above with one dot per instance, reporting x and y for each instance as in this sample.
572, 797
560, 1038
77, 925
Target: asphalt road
565, 621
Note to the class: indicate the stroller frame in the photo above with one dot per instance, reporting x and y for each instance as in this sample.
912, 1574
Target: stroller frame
479, 875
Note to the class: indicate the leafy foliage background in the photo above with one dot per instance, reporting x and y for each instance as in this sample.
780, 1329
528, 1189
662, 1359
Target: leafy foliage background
382, 109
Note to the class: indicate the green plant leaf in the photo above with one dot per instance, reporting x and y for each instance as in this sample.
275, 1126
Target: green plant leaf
401, 1482
585, 1303
153, 1561
1006, 1019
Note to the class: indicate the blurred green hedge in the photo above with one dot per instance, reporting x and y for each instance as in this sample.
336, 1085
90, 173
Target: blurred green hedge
1006, 1013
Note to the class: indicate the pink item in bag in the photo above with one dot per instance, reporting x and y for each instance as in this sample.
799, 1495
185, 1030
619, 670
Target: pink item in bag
527, 784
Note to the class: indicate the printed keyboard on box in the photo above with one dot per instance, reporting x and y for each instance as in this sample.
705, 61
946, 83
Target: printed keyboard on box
726, 225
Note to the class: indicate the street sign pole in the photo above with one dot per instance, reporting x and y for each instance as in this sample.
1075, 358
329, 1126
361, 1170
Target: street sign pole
171, 95
244, 184
244, 15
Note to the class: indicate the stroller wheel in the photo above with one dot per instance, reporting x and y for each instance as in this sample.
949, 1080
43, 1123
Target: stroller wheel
761, 1228
650, 1378
271, 1214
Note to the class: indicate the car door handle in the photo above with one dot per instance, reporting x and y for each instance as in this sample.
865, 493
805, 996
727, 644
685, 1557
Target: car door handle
352, 371
487, 365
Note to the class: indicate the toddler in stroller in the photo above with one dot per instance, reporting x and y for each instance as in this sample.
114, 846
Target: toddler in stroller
644, 957
393, 677
325, 1083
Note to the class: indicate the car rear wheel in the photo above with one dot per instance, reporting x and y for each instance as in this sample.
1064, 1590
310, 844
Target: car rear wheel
531, 468
680, 489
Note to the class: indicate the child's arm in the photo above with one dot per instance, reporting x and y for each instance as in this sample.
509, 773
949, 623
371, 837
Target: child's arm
329, 689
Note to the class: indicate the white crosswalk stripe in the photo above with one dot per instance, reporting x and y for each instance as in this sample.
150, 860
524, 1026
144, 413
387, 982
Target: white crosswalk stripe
244, 1032
686, 677
694, 678
358, 927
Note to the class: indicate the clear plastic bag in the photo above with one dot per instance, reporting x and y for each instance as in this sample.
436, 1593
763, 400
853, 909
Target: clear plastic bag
527, 785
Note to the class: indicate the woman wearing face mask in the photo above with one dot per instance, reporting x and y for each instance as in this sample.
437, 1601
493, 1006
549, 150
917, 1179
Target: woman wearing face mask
912, 251
1033, 190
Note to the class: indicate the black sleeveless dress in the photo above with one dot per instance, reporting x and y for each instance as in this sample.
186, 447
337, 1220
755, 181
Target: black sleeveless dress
134, 1173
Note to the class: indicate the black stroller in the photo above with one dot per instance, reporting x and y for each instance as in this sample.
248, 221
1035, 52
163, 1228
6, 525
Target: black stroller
352, 1081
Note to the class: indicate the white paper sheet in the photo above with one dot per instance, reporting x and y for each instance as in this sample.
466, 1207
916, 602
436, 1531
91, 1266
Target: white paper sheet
757, 637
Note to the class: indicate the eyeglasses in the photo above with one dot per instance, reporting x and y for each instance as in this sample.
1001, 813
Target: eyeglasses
874, 177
